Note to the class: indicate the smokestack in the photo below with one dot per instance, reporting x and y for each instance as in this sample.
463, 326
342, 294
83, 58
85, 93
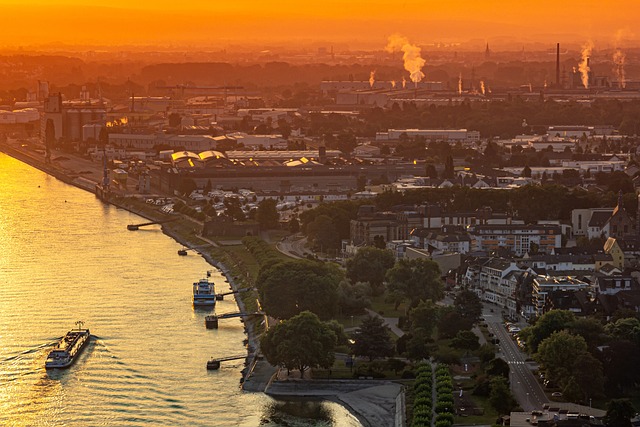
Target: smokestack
558, 65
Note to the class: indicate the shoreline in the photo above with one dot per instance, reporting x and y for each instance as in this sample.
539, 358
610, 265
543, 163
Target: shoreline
258, 374
90, 186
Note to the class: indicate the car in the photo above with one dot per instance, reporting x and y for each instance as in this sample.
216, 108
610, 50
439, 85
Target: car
556, 394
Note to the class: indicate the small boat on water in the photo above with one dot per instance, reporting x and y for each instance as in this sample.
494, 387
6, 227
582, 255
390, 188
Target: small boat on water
69, 348
204, 293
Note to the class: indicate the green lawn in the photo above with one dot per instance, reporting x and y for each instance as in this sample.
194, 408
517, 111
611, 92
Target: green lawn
489, 417
387, 309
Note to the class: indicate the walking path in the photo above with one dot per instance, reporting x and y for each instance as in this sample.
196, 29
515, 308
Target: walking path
391, 322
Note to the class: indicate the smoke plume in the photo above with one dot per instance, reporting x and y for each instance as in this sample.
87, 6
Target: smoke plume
618, 60
413, 61
372, 78
404, 82
460, 84
584, 64
393, 84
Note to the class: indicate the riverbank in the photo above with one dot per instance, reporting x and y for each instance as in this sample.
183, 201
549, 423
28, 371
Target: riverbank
258, 373
367, 404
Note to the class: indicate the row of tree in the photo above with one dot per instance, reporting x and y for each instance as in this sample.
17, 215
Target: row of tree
584, 357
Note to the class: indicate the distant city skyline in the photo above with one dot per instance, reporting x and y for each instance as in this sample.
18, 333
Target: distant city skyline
358, 24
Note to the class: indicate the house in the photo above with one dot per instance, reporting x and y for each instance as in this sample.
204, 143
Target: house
612, 248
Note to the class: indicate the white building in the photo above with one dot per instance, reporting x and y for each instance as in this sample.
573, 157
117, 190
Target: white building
453, 135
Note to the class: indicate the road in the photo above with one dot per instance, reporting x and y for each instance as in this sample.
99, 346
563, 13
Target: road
524, 385
293, 246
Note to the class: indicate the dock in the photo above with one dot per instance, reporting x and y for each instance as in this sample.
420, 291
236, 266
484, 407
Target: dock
220, 297
215, 363
211, 322
134, 227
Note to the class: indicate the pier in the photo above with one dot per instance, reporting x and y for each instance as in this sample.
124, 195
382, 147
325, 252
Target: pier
183, 251
133, 227
211, 322
215, 363
220, 297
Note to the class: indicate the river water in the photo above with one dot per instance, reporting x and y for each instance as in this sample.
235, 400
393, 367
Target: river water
66, 256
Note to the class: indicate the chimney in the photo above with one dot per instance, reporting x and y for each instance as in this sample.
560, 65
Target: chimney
322, 154
558, 65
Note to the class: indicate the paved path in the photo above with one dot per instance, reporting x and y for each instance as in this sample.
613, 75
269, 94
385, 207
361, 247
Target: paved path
391, 322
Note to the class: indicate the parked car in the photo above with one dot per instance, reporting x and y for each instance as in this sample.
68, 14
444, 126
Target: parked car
556, 394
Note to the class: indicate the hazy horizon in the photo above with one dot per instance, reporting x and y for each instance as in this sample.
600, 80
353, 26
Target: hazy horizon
200, 24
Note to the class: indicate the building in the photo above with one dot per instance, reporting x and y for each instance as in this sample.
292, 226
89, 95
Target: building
581, 221
517, 238
69, 117
543, 286
447, 239
452, 135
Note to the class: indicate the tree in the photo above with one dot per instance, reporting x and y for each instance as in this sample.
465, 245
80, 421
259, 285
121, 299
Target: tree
498, 367
620, 359
323, 233
299, 343
465, 340
588, 328
370, 265
267, 214
372, 339
626, 329
378, 242
500, 396
558, 354
353, 298
448, 168
451, 323
207, 187
415, 280
234, 209
588, 377
425, 316
294, 225
468, 305
430, 171
619, 413
550, 322
526, 172
290, 287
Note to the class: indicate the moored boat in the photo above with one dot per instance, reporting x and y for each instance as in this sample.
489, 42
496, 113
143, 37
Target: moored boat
69, 348
204, 293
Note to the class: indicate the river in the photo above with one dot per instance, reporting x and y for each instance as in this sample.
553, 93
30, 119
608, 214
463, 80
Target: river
66, 256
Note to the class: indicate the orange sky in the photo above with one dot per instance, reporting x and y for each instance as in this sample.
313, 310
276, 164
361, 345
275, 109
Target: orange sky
360, 23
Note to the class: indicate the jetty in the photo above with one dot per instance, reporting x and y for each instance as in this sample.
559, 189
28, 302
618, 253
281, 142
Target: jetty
134, 227
183, 251
215, 362
220, 297
211, 321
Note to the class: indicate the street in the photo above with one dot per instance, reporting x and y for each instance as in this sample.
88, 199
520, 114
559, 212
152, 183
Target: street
526, 389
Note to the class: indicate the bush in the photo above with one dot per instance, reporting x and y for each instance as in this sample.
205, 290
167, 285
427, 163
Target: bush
407, 374
443, 423
424, 401
445, 416
442, 408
